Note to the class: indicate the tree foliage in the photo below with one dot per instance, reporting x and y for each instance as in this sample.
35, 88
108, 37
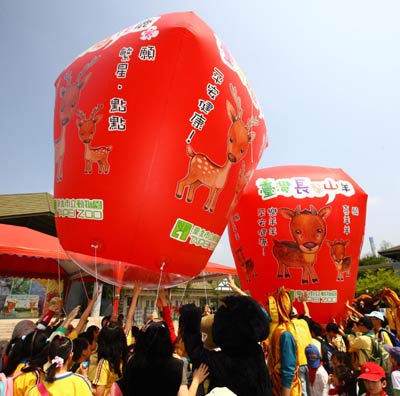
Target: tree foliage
374, 280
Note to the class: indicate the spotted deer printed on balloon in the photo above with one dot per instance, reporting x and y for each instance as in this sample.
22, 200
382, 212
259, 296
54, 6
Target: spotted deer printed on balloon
203, 171
246, 264
70, 95
308, 229
86, 131
339, 258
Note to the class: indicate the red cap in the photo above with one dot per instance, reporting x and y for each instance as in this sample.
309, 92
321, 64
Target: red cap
372, 371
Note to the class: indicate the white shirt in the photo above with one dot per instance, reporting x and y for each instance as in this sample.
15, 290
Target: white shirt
320, 386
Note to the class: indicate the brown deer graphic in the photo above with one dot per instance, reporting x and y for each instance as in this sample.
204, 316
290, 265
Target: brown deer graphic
247, 265
70, 95
204, 171
308, 229
341, 261
86, 131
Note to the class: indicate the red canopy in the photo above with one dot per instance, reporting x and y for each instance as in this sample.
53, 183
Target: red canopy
214, 271
214, 268
28, 253
32, 254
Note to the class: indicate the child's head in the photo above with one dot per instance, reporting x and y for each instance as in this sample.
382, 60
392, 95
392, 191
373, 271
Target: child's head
313, 356
394, 353
374, 378
343, 376
341, 359
180, 347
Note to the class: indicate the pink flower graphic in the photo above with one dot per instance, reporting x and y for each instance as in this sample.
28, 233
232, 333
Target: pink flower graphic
150, 33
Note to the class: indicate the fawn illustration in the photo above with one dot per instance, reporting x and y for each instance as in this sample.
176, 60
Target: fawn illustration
86, 131
246, 264
308, 229
203, 171
70, 95
339, 258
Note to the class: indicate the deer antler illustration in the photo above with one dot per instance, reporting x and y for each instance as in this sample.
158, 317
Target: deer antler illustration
203, 171
86, 131
70, 95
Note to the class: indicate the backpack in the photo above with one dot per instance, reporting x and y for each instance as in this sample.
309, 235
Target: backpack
379, 354
393, 337
327, 350
7, 384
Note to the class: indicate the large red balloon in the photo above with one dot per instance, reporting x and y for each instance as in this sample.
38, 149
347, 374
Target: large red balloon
300, 227
156, 133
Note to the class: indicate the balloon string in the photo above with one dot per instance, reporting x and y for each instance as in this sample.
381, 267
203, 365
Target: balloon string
159, 283
84, 285
251, 143
205, 289
94, 246
184, 292
59, 277
95, 260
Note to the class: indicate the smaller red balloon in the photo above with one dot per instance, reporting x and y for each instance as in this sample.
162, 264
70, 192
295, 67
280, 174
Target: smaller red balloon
300, 227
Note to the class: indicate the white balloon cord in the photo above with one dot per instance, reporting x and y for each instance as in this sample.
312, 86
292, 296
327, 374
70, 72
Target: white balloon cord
251, 143
205, 289
95, 260
159, 283
184, 292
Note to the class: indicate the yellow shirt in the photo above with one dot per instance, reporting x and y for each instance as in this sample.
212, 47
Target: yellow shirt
66, 384
26, 381
104, 376
303, 338
93, 365
356, 346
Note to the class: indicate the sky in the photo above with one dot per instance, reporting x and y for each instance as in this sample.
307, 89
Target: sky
326, 74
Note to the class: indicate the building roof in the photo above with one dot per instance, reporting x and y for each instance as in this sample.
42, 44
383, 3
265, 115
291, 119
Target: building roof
392, 253
35, 211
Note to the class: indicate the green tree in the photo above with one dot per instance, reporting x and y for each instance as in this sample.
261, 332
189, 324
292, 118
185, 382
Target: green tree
371, 281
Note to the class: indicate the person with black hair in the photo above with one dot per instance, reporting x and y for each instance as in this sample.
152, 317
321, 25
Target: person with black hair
153, 359
82, 351
344, 381
26, 358
58, 380
334, 338
360, 342
112, 353
94, 330
325, 348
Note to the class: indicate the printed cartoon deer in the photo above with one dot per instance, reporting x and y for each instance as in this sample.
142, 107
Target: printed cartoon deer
86, 131
70, 95
241, 183
246, 264
204, 171
308, 229
341, 261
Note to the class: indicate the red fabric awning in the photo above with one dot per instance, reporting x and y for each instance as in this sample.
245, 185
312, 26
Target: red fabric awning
28, 253
32, 254
214, 268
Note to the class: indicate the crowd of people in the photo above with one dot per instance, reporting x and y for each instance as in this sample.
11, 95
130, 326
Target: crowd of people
241, 349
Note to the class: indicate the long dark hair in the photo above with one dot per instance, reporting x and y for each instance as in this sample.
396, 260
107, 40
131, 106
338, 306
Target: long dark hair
153, 354
38, 348
153, 344
60, 347
15, 353
347, 381
112, 347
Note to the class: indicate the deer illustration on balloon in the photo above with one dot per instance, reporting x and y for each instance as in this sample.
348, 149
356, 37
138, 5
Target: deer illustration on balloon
342, 262
308, 229
70, 95
86, 132
203, 171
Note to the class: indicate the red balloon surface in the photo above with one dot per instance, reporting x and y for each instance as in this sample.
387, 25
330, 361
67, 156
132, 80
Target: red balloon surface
300, 227
156, 133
